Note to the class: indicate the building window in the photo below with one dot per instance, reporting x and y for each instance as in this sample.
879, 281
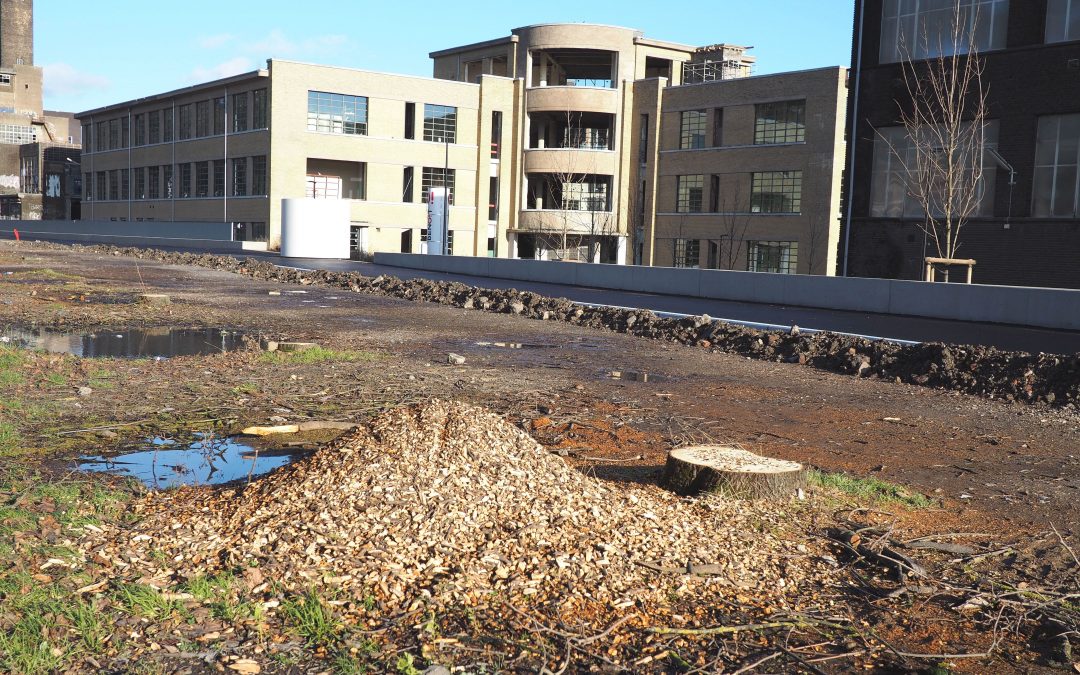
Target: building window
689, 194
923, 29
167, 180
154, 180
643, 140
493, 199
323, 187
692, 129
219, 115
202, 179
891, 194
432, 177
125, 184
410, 121
259, 117
114, 134
240, 112
778, 257
88, 181
5, 79
258, 175
185, 122
102, 190
202, 119
586, 196
167, 132
87, 138
496, 134
140, 129
125, 130
783, 122
407, 185
718, 128
1057, 167
140, 183
1062, 20
154, 125
219, 178
440, 123
687, 253
101, 140
185, 180
337, 113
776, 192
15, 134
114, 184
239, 177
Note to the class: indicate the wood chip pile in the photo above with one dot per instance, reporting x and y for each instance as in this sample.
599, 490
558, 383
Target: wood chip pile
446, 502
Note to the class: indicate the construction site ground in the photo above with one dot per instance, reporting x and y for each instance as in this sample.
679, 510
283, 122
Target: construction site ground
906, 462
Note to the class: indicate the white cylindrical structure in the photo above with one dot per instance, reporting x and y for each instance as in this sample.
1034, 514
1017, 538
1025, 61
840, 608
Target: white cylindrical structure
314, 228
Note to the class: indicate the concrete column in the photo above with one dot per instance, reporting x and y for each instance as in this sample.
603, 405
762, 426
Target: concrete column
543, 70
541, 136
513, 246
620, 252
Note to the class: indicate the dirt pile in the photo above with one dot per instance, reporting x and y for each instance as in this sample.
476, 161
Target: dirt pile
983, 371
448, 504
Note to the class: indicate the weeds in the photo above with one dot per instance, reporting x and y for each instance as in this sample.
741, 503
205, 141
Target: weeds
147, 602
313, 620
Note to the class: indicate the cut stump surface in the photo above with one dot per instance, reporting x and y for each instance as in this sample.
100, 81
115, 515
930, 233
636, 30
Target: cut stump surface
733, 472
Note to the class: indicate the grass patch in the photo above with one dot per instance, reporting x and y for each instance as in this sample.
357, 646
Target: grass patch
147, 602
313, 620
318, 355
10, 439
56, 380
12, 361
869, 489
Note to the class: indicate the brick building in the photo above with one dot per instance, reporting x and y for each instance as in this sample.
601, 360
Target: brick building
1025, 234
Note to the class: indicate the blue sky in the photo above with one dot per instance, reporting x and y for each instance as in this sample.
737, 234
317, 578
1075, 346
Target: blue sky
142, 48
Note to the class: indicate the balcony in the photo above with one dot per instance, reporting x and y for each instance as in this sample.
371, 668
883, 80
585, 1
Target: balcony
564, 98
563, 161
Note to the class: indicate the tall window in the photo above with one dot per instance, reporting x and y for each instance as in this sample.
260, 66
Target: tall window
125, 131
88, 181
219, 115
184, 188
114, 134
692, 129
114, 184
923, 29
102, 190
894, 152
87, 138
407, 185
154, 181
1062, 20
258, 175
778, 257
496, 133
101, 141
690, 194
337, 113
718, 128
783, 122
440, 123
167, 125
410, 121
219, 178
687, 253
240, 112
643, 140
585, 196
433, 177
167, 180
776, 192
185, 121
202, 179
140, 129
154, 126
323, 187
202, 119
259, 116
140, 183
125, 184
239, 177
1057, 167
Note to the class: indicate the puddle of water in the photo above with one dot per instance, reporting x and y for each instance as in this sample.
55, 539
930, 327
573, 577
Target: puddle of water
135, 343
513, 345
632, 376
208, 461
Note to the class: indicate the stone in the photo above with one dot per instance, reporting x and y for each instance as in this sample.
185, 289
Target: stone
794, 331
455, 359
436, 670
85, 391
517, 307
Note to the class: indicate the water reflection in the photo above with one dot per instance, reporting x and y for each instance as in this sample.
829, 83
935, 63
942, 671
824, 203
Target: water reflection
133, 343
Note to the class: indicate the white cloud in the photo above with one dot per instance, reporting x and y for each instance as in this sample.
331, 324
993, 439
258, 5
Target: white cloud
64, 80
215, 41
234, 66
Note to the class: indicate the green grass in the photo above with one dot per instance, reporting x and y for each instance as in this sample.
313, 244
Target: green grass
145, 601
319, 355
56, 380
12, 361
10, 439
869, 489
313, 620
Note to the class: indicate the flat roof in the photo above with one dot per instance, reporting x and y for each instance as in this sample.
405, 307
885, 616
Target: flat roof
262, 72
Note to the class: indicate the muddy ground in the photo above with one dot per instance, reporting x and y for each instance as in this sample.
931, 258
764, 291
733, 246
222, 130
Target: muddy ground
1003, 475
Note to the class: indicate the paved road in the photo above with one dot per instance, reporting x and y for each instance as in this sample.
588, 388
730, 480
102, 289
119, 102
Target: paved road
1007, 337
896, 327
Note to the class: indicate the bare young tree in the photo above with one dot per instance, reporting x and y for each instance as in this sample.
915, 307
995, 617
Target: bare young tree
734, 223
817, 239
945, 124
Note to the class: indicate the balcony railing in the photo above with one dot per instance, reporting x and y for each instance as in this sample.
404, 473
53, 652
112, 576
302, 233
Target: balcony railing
586, 139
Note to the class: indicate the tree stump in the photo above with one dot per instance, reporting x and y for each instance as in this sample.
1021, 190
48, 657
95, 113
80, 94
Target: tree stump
731, 472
